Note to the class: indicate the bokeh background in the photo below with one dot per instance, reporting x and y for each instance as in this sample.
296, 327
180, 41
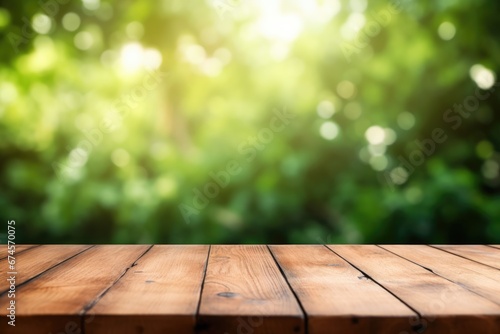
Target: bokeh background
114, 114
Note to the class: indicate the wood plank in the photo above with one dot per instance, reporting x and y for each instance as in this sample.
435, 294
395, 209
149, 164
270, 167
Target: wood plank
56, 300
495, 246
338, 298
245, 292
36, 260
158, 295
445, 307
481, 279
479, 253
19, 249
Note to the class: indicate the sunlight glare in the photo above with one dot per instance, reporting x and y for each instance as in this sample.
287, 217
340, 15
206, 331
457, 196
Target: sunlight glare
132, 56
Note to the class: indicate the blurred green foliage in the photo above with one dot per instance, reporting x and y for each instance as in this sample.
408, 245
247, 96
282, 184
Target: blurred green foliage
114, 114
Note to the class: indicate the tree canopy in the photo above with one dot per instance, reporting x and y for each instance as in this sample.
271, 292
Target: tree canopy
250, 121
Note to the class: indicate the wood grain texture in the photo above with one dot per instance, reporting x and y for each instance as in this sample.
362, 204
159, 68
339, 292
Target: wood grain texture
19, 250
158, 295
479, 253
338, 298
445, 306
476, 277
245, 292
58, 298
39, 259
254, 289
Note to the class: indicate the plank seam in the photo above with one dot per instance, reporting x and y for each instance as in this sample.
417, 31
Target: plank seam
86, 308
197, 316
46, 270
463, 257
92, 303
24, 250
448, 279
493, 246
306, 322
416, 328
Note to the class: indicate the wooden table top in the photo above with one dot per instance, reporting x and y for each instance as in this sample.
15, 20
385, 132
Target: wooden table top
245, 289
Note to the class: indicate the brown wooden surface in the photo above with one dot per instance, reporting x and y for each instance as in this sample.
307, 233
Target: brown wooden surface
443, 306
337, 297
245, 289
37, 260
479, 253
58, 296
473, 276
18, 250
165, 284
